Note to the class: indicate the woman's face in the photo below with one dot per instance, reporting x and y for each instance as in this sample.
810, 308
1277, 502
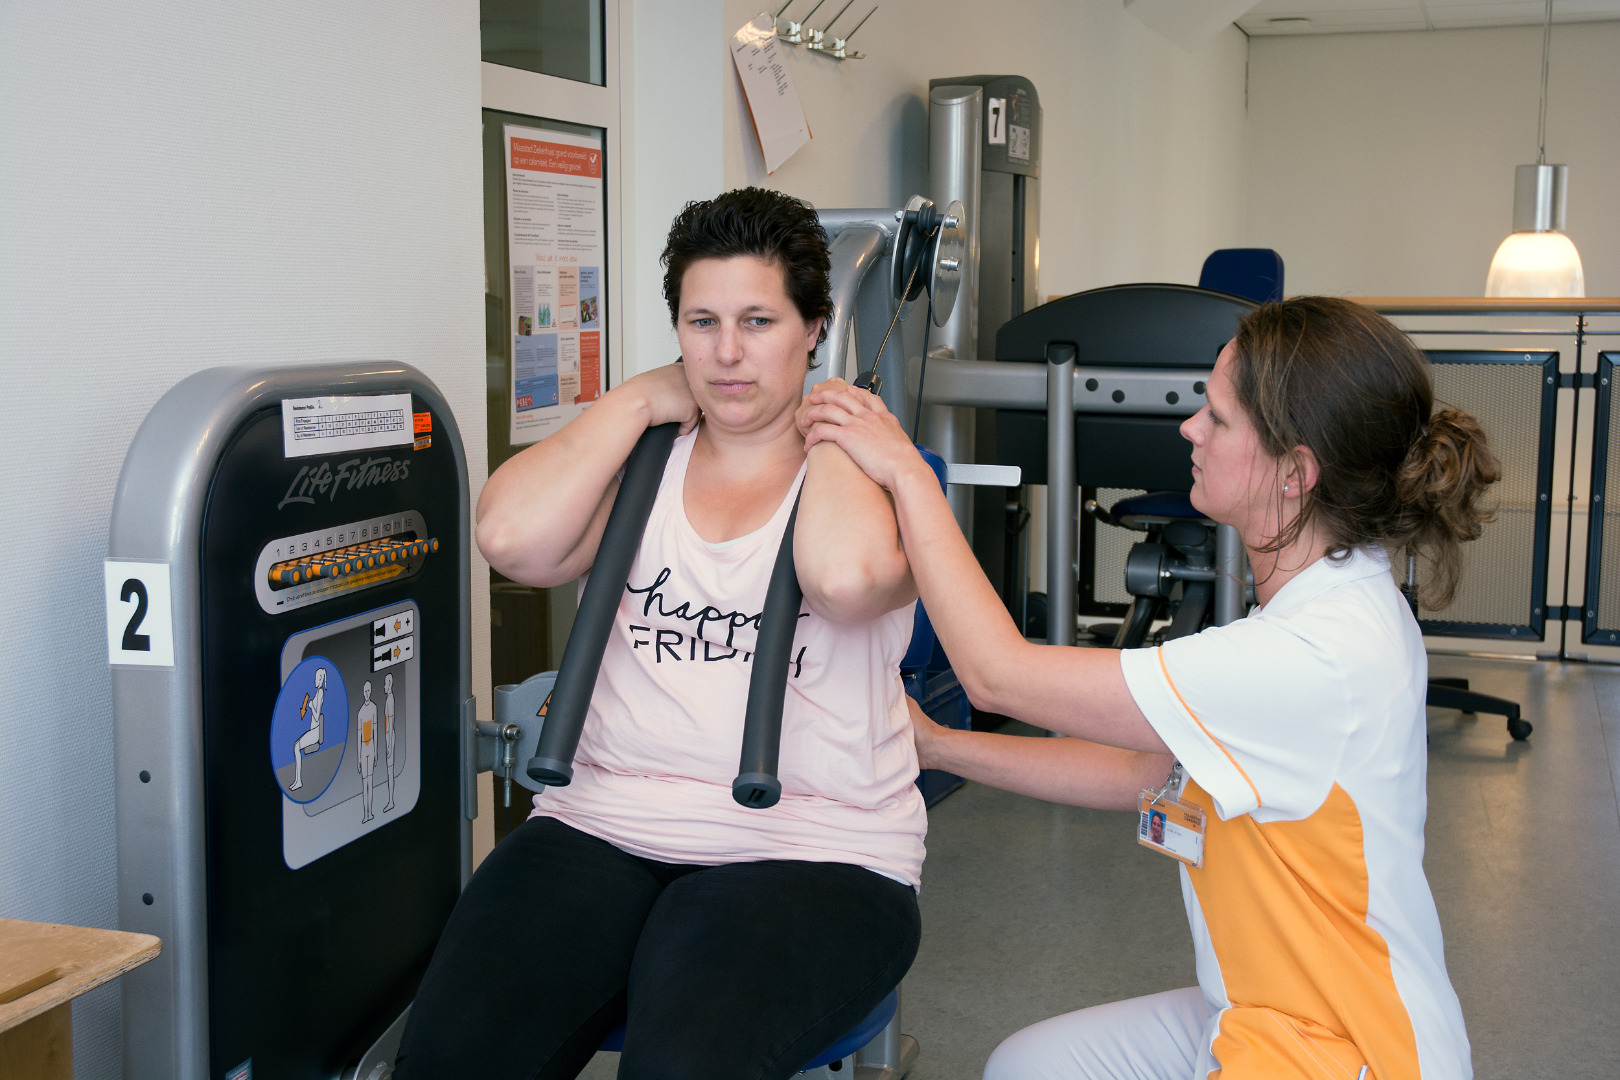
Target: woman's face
744, 342
1234, 481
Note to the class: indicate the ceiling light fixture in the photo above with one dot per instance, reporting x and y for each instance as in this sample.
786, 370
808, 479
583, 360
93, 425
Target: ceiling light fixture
1538, 260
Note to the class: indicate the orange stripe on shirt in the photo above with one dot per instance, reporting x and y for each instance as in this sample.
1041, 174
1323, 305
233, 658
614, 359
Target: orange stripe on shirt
1206, 731
1310, 980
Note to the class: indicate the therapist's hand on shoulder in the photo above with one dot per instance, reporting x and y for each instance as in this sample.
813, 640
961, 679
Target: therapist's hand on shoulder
858, 422
665, 396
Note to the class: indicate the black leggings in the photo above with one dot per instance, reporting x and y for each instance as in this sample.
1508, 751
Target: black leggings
739, 972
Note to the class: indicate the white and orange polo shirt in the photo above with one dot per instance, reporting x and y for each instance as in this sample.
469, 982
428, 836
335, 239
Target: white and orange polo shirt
1302, 731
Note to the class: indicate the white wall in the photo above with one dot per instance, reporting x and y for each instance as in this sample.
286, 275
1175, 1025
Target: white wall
1144, 158
672, 112
187, 184
1382, 164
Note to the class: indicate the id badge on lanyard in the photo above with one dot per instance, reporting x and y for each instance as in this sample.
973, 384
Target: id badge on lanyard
1169, 824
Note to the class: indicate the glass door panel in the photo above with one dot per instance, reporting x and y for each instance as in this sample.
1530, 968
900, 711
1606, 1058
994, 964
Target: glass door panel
562, 38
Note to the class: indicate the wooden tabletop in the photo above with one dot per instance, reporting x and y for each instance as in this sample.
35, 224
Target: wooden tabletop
43, 965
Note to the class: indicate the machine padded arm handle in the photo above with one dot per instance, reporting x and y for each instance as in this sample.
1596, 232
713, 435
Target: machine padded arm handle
565, 709
756, 786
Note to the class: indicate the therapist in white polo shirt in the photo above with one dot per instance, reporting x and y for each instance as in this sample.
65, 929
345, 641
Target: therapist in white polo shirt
1287, 751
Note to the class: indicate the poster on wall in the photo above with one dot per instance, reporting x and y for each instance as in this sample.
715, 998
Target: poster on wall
557, 241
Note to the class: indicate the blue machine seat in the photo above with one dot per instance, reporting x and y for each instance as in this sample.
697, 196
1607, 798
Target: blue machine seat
1154, 508
1170, 504
859, 1035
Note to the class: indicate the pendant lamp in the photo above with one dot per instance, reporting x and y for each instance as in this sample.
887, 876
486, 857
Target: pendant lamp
1538, 260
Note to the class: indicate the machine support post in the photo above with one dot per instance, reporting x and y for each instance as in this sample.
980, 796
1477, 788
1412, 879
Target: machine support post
1062, 584
1229, 575
955, 115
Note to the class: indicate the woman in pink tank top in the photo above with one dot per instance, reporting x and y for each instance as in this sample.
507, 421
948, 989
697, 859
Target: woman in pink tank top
732, 941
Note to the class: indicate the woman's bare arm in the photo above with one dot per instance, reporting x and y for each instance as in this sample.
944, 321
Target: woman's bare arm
541, 515
846, 543
1070, 771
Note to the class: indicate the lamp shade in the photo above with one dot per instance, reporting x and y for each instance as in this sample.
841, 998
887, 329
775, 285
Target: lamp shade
1536, 264
1537, 260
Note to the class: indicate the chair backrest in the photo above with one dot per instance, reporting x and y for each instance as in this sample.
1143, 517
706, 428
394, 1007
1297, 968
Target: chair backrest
1256, 273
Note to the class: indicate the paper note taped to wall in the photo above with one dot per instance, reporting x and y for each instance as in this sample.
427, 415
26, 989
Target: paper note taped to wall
772, 98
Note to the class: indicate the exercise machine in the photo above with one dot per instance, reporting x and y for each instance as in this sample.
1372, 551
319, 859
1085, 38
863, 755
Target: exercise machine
288, 603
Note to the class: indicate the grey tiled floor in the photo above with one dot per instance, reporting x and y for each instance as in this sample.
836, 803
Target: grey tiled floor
1030, 910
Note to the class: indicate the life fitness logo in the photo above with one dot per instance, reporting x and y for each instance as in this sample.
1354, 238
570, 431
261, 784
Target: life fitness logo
325, 480
538, 156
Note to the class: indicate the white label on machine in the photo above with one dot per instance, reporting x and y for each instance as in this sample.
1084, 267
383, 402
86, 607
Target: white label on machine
341, 423
995, 123
1019, 146
140, 623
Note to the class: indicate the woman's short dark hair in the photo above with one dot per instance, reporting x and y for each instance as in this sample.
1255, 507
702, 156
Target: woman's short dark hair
765, 224
1343, 381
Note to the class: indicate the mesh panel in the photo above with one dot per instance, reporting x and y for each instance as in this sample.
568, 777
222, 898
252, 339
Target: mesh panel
1113, 545
1498, 577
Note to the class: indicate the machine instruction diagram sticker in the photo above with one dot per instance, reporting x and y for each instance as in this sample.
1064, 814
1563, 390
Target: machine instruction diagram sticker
140, 621
1018, 146
345, 738
339, 424
309, 729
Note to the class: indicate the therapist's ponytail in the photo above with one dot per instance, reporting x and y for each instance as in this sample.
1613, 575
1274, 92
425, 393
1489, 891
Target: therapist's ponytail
1446, 471
1394, 471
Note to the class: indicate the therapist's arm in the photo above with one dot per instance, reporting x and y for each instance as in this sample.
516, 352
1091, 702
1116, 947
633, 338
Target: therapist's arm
846, 542
1070, 771
1073, 691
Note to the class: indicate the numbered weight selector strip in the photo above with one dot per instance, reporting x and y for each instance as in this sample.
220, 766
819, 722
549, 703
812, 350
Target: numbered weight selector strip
295, 571
341, 562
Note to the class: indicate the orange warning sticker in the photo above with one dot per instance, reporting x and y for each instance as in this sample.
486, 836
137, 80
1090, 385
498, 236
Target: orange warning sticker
424, 422
423, 442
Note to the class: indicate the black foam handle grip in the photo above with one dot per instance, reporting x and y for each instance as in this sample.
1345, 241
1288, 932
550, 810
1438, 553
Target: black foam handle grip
756, 786
565, 709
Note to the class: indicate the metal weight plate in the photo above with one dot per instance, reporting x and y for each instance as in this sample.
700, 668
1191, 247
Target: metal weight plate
946, 253
910, 247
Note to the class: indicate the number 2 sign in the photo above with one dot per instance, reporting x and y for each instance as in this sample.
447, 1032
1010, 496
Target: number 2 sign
140, 625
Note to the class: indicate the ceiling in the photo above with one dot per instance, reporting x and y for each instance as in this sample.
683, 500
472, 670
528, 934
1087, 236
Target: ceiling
1277, 17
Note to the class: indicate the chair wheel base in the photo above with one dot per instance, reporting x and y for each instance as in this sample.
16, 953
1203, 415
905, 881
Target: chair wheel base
1520, 729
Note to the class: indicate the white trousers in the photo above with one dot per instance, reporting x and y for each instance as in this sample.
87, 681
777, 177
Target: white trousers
1158, 1037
